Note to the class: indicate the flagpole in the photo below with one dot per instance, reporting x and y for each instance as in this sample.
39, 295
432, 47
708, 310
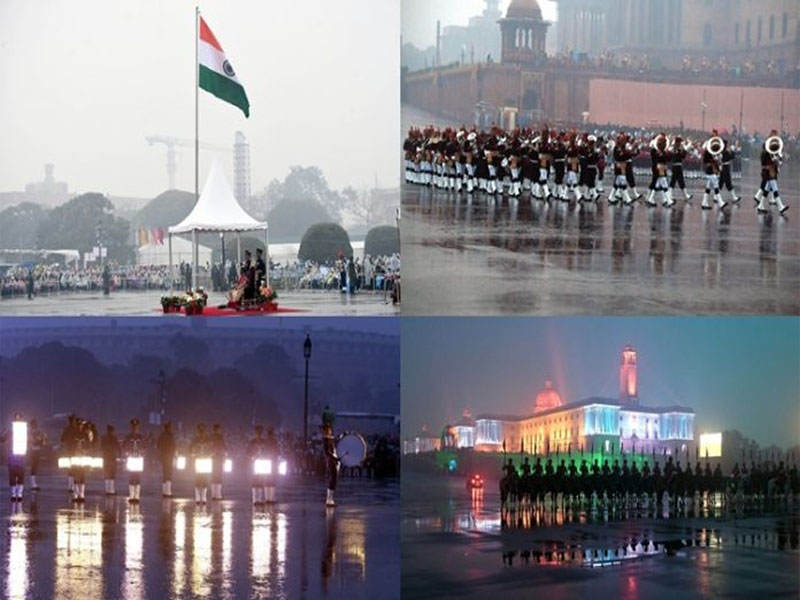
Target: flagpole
196, 130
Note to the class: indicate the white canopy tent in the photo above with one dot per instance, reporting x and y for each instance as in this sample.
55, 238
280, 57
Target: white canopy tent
217, 210
158, 254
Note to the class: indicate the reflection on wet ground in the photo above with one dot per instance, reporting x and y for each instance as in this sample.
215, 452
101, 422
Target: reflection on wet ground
498, 256
457, 544
175, 549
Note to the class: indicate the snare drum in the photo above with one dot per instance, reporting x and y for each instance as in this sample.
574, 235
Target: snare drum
351, 449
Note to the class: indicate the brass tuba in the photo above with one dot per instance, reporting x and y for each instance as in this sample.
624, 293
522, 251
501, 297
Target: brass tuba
774, 145
714, 145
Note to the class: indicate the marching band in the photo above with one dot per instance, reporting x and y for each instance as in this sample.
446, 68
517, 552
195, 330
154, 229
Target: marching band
496, 162
82, 451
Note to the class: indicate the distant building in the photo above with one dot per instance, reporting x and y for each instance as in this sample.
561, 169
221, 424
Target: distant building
680, 58
241, 168
475, 42
670, 29
596, 423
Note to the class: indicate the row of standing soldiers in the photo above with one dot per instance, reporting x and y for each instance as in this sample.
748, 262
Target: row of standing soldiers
615, 480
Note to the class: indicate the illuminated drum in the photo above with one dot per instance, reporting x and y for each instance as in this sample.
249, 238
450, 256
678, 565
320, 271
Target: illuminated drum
351, 449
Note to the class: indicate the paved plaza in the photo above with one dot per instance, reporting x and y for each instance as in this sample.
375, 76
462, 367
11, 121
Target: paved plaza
297, 548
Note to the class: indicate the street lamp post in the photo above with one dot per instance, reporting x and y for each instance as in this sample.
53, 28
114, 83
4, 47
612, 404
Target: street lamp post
306, 355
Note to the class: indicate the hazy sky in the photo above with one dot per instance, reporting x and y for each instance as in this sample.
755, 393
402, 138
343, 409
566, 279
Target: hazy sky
419, 16
83, 83
737, 373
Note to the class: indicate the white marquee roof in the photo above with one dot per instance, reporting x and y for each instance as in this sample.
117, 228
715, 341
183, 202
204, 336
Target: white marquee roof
217, 209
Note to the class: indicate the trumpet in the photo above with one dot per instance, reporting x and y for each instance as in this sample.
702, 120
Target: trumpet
654, 141
774, 145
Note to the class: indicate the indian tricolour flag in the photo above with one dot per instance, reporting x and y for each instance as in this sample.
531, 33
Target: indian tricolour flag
216, 73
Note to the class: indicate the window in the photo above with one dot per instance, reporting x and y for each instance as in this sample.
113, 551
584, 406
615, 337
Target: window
747, 32
785, 25
771, 27
758, 35
736, 34
707, 34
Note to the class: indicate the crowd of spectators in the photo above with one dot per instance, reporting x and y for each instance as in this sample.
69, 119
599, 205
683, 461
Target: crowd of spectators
371, 273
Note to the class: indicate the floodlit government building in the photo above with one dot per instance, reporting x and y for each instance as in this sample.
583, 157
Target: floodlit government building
602, 424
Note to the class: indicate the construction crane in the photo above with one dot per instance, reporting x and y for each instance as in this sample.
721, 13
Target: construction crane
171, 142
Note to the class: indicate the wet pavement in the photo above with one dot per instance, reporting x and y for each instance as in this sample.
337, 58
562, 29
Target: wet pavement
455, 544
307, 302
481, 256
175, 549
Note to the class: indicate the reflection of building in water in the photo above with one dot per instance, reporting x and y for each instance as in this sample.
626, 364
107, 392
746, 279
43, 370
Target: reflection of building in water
79, 555
17, 583
606, 424
133, 584
201, 554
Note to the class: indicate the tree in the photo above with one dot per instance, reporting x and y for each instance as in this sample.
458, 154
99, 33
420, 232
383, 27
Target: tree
19, 223
325, 242
74, 225
292, 217
383, 240
168, 208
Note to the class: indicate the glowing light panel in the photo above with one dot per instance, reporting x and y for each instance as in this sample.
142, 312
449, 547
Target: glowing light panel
135, 464
262, 466
227, 466
282, 467
19, 435
180, 463
202, 465
711, 445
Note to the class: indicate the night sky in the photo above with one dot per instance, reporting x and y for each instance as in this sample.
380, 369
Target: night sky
737, 373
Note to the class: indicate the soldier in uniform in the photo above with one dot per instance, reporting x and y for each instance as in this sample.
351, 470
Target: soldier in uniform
261, 268
272, 449
545, 159
16, 464
678, 155
37, 443
84, 443
573, 157
200, 447
591, 161
659, 157
218, 450
712, 168
109, 445
559, 154
770, 165
68, 435
620, 188
134, 446
725, 180
331, 462
166, 454
631, 152
257, 450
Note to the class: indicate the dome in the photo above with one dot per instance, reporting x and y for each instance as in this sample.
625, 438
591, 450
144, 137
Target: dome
547, 398
524, 9
466, 420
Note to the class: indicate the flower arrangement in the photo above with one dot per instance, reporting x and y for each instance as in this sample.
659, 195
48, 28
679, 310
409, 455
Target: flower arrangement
195, 302
191, 302
268, 294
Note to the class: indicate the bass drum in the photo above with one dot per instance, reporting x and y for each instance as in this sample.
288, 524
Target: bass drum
351, 449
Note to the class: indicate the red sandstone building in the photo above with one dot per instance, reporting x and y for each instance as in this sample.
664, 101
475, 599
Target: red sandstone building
632, 62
